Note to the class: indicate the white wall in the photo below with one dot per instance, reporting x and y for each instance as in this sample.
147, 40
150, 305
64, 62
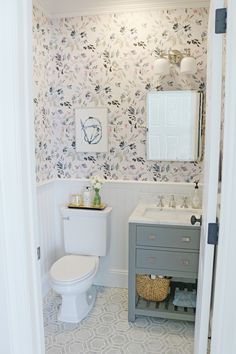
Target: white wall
123, 196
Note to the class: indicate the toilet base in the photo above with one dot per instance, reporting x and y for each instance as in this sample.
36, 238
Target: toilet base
74, 308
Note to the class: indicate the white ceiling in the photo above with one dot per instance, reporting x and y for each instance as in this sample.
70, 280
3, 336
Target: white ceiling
90, 7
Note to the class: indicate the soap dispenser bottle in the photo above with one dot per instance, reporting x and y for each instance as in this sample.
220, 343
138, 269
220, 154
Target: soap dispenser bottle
196, 199
87, 196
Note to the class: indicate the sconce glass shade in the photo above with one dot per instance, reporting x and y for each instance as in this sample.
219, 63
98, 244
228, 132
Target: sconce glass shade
163, 66
188, 65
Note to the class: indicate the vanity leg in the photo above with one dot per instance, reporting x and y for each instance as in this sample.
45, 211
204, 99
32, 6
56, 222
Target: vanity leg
131, 297
131, 317
132, 274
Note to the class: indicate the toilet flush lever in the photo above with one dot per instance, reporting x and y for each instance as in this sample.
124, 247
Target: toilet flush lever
66, 218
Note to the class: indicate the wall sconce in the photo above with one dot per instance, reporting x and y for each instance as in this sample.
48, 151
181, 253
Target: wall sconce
187, 63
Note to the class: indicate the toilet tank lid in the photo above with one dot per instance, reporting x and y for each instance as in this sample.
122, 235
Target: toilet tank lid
71, 268
65, 211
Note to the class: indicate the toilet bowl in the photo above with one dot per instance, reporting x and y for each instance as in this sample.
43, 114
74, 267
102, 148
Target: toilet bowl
72, 277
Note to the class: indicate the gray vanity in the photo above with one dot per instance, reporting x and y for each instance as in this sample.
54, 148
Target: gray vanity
168, 248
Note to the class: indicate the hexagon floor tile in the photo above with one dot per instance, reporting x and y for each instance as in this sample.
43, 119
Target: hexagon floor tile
106, 329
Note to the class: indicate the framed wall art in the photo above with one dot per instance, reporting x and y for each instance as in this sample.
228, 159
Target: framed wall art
91, 129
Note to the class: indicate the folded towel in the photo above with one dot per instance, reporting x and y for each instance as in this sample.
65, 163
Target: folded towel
185, 298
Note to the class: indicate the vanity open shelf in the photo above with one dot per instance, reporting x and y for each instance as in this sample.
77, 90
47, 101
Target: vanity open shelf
167, 250
166, 308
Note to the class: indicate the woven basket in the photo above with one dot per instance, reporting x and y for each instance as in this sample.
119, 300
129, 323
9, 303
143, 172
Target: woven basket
152, 289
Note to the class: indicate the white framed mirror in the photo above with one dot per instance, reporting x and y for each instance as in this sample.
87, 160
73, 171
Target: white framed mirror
174, 125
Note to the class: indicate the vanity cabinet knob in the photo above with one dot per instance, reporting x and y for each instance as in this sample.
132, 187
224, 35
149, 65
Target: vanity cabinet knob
194, 220
151, 237
186, 239
152, 259
66, 218
185, 261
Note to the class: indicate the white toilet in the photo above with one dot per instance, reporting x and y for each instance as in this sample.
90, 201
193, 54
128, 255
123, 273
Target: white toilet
86, 239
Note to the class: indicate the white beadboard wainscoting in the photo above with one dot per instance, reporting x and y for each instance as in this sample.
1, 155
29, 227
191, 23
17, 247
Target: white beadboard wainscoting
46, 232
122, 196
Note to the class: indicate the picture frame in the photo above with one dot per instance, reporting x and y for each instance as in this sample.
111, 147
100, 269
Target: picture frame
91, 129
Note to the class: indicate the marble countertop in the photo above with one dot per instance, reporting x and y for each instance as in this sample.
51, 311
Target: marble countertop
152, 214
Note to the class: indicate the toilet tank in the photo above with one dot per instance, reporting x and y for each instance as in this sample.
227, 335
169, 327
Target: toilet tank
86, 232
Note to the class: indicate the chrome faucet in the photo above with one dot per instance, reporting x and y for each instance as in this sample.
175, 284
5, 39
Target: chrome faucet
160, 203
172, 202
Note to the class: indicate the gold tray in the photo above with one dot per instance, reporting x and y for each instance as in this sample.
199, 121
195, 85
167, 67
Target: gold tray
80, 206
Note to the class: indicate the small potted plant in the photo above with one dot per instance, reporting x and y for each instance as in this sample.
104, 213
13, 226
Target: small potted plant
96, 183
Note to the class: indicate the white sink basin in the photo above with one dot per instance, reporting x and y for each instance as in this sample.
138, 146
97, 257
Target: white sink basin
146, 213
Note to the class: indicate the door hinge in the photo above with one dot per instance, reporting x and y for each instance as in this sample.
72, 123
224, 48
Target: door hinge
221, 20
38, 253
213, 233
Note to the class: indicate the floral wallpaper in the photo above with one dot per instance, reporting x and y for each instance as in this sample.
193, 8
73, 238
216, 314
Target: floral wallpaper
109, 61
44, 130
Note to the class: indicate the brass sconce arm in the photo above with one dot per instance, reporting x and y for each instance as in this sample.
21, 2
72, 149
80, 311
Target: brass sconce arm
175, 56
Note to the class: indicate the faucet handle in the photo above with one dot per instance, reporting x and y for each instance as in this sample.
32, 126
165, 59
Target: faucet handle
172, 202
185, 202
160, 203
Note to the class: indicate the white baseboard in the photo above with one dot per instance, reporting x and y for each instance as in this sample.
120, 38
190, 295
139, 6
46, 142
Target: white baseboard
114, 278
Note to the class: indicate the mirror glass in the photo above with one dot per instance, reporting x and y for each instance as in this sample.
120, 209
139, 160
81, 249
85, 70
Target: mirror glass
174, 125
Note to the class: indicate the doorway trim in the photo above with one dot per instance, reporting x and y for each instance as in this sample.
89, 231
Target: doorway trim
20, 296
223, 323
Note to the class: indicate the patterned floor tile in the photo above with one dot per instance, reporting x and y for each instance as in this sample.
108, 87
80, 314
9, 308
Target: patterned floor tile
106, 329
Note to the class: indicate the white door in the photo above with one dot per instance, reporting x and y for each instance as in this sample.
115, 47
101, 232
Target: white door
211, 167
224, 312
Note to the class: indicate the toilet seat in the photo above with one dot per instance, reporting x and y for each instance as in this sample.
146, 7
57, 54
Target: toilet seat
73, 268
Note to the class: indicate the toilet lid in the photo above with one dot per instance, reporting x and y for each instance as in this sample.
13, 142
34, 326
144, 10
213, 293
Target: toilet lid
71, 268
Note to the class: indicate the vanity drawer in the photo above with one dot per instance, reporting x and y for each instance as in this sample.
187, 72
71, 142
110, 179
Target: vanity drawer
158, 236
167, 260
